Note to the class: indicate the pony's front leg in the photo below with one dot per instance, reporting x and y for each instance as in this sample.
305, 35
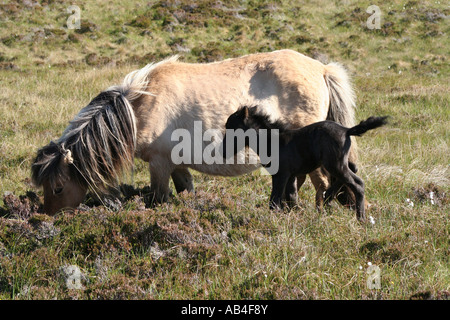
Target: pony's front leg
160, 171
182, 179
279, 182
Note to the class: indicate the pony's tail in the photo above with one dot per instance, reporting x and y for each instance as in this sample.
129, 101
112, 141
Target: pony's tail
342, 100
366, 125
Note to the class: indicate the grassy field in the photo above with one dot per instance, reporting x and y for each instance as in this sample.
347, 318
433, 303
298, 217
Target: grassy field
223, 242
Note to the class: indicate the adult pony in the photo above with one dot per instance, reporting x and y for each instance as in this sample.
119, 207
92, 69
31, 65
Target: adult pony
138, 117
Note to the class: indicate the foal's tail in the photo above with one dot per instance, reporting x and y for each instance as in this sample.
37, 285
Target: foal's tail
366, 125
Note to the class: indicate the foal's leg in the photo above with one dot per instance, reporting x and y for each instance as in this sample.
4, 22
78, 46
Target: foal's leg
279, 181
344, 175
182, 179
344, 195
337, 191
290, 192
300, 180
360, 198
321, 183
332, 191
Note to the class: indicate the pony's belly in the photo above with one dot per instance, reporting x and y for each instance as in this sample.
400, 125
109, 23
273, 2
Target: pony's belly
225, 169
206, 162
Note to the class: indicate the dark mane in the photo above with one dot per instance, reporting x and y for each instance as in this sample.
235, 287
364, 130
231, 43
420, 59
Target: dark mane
258, 120
101, 140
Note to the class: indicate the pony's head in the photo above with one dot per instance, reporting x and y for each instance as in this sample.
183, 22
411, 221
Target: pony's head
63, 186
93, 152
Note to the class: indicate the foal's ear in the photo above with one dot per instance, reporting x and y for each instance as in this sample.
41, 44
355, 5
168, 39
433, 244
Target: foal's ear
245, 112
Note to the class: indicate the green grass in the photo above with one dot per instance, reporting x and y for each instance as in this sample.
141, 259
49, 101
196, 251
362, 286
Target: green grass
223, 242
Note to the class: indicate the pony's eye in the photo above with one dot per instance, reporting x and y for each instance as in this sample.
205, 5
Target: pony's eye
58, 190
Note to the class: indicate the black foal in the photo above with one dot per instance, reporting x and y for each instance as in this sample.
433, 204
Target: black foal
301, 151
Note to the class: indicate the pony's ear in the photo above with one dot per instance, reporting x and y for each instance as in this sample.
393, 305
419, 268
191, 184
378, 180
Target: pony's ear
245, 112
46, 164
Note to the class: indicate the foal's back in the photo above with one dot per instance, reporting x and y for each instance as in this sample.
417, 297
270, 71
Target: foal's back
315, 145
319, 135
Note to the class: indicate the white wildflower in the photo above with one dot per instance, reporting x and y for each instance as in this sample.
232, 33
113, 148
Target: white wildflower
432, 197
410, 203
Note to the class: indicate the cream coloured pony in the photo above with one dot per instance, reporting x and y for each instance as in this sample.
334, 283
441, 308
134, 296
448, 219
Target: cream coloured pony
138, 117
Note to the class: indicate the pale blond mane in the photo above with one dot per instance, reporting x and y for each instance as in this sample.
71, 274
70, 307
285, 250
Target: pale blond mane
135, 83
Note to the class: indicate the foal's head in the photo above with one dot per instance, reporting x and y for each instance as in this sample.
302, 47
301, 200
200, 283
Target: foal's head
246, 124
250, 118
239, 119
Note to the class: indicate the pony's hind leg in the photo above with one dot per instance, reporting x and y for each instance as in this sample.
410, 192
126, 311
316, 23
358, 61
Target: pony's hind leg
321, 183
182, 179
